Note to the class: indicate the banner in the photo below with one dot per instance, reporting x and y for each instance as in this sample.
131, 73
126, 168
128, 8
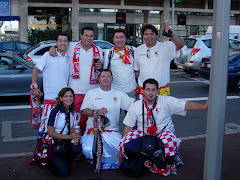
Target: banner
4, 7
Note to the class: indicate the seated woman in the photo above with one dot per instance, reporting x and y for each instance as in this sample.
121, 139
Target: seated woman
61, 128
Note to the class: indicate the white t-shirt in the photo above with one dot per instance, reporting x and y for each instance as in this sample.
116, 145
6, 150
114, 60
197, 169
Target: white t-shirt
123, 74
81, 85
112, 100
55, 73
166, 107
158, 65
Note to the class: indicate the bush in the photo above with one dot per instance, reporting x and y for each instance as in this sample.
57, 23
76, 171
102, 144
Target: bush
36, 35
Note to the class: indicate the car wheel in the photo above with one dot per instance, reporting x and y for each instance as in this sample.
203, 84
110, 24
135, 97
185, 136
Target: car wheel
237, 84
189, 71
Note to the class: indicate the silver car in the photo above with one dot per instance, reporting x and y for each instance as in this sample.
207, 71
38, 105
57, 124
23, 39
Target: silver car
199, 47
16, 75
34, 54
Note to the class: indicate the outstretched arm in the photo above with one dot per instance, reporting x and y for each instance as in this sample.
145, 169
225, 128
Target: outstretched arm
192, 106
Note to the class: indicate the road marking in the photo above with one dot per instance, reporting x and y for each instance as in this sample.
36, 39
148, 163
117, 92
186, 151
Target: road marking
187, 99
7, 132
205, 98
230, 128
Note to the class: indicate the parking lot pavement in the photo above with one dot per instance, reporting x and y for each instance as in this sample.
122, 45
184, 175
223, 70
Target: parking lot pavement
192, 153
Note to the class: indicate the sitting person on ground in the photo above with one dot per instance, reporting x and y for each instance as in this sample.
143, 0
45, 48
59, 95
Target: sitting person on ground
60, 128
102, 106
153, 117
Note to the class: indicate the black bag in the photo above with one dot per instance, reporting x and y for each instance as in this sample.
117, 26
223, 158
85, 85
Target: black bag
149, 145
61, 146
135, 167
43, 153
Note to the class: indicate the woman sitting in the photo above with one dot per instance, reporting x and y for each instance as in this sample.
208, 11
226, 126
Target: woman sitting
61, 128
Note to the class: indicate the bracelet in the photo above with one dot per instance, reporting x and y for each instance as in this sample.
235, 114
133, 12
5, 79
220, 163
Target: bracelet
33, 86
95, 111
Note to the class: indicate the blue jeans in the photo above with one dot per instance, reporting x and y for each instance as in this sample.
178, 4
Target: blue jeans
60, 161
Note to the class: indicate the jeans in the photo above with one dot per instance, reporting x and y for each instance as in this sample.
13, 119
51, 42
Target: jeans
60, 161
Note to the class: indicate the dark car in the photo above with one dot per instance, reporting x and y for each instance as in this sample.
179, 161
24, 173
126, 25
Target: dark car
15, 46
15, 75
233, 69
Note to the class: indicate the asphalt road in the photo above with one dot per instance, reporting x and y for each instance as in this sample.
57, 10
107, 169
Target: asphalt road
17, 137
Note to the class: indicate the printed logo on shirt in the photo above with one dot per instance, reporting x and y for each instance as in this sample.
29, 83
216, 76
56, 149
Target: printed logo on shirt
97, 98
158, 111
157, 53
115, 99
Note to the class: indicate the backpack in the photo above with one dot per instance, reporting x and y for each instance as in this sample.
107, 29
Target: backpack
111, 52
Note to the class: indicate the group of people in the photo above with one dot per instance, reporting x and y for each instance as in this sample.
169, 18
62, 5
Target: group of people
83, 86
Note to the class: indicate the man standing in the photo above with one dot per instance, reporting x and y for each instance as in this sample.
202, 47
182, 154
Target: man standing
84, 71
120, 61
98, 104
153, 116
152, 59
56, 72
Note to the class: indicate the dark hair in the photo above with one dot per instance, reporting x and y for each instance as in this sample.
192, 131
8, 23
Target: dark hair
150, 81
105, 70
62, 34
119, 31
87, 28
61, 94
149, 26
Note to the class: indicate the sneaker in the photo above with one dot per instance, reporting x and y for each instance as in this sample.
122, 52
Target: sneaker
31, 161
178, 160
172, 169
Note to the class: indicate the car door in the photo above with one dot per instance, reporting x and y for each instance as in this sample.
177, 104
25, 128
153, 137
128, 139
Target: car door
15, 78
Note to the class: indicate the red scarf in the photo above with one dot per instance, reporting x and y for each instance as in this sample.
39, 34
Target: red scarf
76, 56
151, 124
126, 55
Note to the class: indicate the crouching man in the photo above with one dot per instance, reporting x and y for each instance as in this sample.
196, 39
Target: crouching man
153, 117
101, 139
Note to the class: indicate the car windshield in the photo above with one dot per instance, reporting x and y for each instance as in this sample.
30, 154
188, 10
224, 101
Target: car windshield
190, 42
34, 47
24, 61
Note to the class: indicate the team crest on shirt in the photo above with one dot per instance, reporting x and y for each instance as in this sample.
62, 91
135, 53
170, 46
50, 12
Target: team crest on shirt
115, 99
158, 111
157, 53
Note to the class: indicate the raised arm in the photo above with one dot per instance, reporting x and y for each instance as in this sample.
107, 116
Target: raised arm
175, 39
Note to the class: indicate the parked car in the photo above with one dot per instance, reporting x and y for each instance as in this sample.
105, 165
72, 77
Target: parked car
15, 75
233, 69
34, 54
15, 46
199, 47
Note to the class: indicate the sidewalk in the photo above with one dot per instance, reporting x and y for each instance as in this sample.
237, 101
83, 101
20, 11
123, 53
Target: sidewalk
192, 153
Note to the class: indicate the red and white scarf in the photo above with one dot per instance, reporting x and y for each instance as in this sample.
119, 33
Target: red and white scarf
76, 58
151, 125
126, 55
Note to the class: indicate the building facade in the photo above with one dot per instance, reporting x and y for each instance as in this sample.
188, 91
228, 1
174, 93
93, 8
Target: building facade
190, 17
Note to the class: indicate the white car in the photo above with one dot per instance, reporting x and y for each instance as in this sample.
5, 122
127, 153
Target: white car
199, 46
34, 54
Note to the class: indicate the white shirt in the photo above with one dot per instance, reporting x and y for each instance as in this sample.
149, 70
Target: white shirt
55, 73
112, 100
123, 74
158, 65
166, 107
81, 85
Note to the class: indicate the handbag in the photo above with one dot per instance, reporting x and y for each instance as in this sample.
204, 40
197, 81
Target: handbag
43, 152
62, 145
